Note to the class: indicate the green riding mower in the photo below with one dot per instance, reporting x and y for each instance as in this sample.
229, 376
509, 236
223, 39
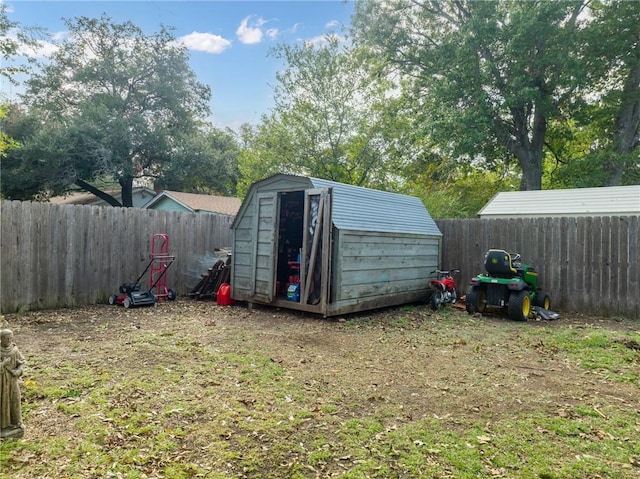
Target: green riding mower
508, 284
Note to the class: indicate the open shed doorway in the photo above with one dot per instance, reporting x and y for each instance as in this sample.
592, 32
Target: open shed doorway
302, 263
290, 242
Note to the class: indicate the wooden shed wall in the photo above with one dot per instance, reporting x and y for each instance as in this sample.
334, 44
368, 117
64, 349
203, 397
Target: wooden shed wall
254, 239
243, 253
381, 269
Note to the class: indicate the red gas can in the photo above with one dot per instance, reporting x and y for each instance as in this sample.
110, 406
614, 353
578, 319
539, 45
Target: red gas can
224, 295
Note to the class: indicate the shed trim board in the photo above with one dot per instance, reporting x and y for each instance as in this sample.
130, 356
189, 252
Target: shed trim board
600, 201
328, 248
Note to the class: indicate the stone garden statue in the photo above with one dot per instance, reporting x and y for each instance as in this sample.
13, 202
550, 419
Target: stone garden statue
11, 364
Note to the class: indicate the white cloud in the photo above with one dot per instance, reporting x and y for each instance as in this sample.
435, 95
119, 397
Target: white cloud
205, 42
43, 49
250, 34
253, 30
40, 48
332, 24
59, 36
272, 33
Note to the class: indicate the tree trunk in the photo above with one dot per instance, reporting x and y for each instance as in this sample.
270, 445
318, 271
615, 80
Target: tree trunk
626, 131
127, 191
531, 165
527, 146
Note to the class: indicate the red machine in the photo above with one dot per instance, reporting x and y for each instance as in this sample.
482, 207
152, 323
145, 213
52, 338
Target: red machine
443, 288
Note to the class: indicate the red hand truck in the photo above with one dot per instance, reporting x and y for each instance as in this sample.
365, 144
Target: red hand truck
160, 261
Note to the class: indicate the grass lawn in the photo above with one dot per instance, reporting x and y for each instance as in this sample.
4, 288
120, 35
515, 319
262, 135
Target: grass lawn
192, 389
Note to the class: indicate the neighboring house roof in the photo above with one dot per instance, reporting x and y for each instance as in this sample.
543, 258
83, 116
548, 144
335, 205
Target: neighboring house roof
196, 202
601, 201
141, 195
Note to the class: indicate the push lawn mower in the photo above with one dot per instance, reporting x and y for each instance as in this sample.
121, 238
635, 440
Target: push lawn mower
507, 284
130, 295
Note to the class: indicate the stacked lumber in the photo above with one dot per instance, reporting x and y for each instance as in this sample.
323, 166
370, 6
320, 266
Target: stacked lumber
208, 286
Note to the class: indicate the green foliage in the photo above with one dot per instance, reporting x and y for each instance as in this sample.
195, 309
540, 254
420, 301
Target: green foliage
39, 162
206, 162
14, 40
484, 77
6, 142
596, 142
449, 190
611, 99
330, 120
121, 103
268, 149
547, 84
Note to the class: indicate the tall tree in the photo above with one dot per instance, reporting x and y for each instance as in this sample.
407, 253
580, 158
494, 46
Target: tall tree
13, 38
123, 100
7, 143
328, 119
206, 163
267, 149
611, 49
485, 78
21, 180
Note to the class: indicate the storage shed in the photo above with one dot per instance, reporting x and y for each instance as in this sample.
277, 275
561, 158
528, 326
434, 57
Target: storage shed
600, 201
329, 248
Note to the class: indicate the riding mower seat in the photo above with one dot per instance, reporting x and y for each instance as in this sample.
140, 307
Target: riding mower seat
498, 263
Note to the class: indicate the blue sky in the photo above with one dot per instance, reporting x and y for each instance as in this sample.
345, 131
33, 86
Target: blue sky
228, 41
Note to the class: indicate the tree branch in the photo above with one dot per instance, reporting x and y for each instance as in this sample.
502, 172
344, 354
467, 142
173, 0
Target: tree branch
99, 193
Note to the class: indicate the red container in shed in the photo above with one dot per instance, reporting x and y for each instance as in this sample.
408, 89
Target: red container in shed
224, 295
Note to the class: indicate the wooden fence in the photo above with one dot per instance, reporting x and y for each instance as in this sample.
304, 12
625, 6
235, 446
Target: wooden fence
587, 265
63, 255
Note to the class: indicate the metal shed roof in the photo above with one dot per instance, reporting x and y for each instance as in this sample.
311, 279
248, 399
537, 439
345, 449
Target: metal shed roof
364, 209
601, 201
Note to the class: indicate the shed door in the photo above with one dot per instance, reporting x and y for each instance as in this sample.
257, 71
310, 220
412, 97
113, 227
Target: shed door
316, 247
263, 266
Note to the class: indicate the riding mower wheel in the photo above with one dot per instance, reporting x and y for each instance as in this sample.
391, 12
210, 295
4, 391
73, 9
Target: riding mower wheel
519, 305
542, 301
476, 301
